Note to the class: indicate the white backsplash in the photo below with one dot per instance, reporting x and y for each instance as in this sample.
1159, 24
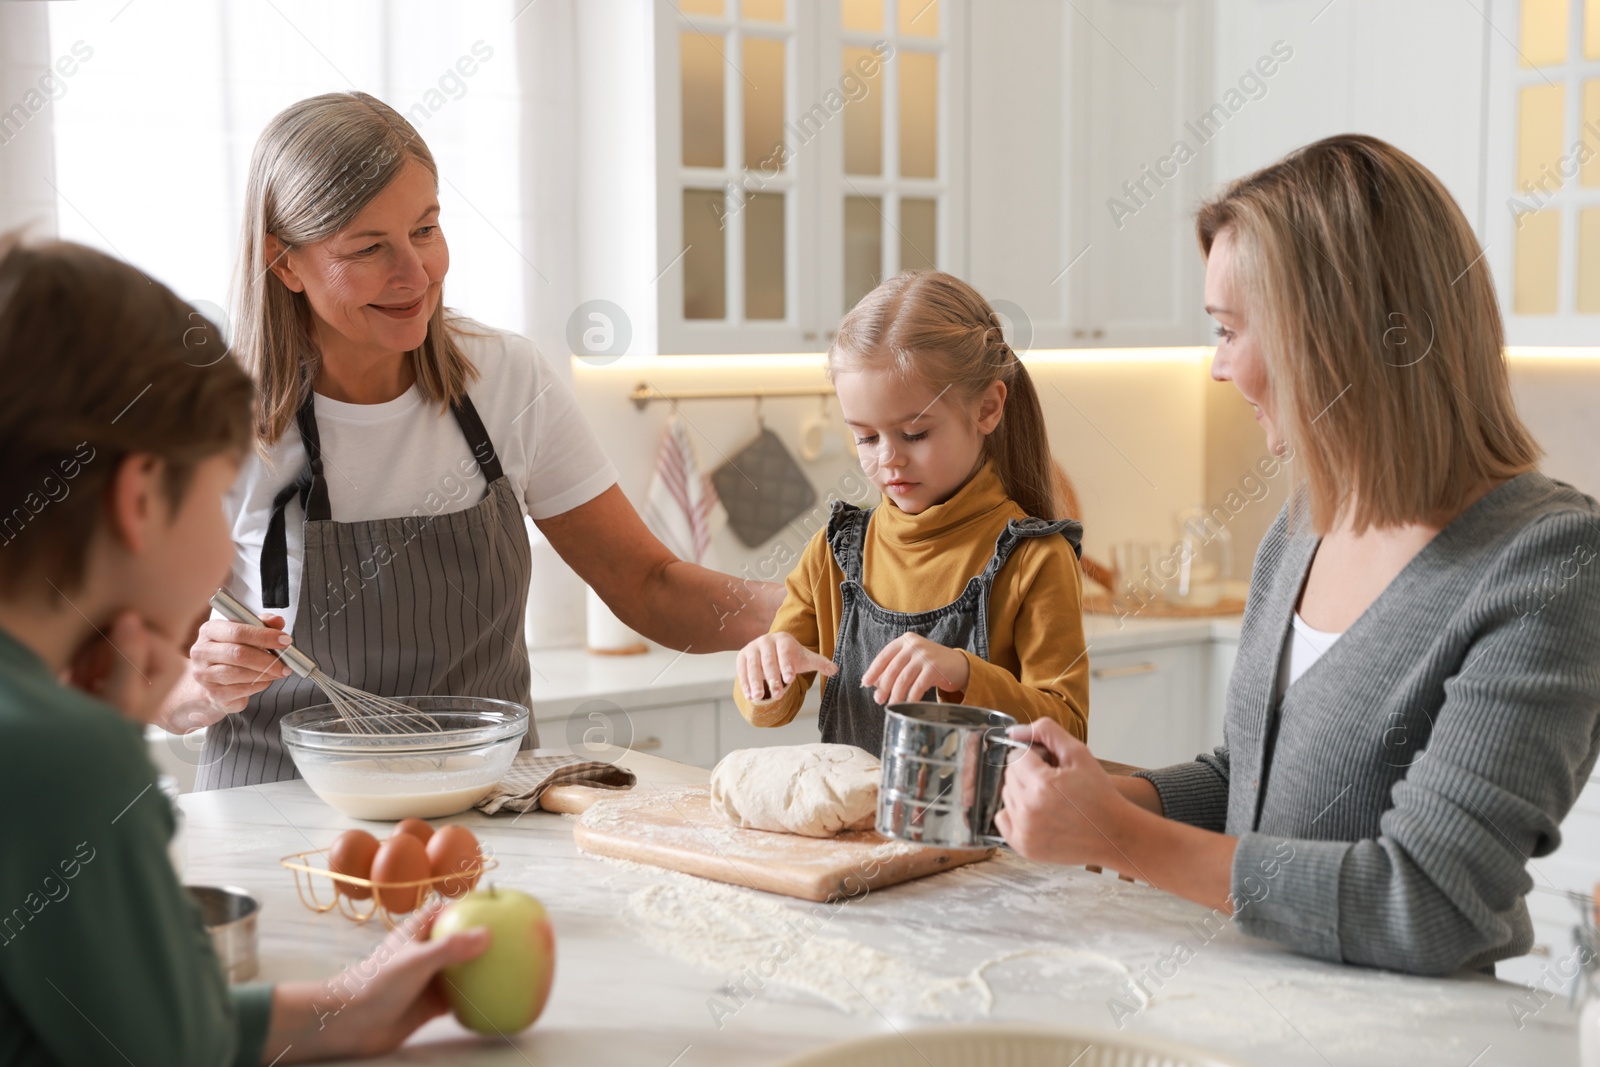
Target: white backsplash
1143, 434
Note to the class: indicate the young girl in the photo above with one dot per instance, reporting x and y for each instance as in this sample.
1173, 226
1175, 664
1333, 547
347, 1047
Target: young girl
120, 430
964, 582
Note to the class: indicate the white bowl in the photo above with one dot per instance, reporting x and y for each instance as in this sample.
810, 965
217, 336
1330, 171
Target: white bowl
1006, 1045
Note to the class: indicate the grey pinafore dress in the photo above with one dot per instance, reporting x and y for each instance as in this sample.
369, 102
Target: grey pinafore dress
414, 605
849, 713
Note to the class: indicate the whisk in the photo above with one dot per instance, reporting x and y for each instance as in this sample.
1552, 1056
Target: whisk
362, 712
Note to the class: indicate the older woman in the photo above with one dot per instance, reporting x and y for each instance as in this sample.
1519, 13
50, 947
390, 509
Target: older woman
382, 522
1416, 701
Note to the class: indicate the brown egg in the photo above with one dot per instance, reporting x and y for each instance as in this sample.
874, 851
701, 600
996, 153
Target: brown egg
402, 858
351, 853
415, 827
454, 850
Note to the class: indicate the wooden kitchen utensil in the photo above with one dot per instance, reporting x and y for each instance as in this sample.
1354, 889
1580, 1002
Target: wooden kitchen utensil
573, 799
676, 829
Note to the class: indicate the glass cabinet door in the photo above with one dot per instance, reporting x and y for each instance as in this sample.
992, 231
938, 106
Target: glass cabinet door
892, 198
729, 247
804, 155
1544, 211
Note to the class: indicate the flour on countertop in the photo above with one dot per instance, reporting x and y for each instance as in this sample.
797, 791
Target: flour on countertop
735, 932
740, 934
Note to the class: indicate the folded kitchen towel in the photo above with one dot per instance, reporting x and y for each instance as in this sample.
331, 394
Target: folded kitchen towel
680, 500
530, 775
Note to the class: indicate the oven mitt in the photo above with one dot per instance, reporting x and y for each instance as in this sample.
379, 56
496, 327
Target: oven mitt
763, 489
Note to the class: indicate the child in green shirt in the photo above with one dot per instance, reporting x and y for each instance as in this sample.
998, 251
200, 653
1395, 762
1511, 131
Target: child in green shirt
122, 423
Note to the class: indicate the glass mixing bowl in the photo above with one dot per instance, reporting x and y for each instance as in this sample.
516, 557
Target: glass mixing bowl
421, 775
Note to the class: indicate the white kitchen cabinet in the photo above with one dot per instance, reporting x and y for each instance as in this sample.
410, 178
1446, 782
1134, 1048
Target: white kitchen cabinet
1411, 73
1076, 108
683, 732
740, 190
1137, 171
1148, 707
1542, 175
804, 152
734, 732
1222, 654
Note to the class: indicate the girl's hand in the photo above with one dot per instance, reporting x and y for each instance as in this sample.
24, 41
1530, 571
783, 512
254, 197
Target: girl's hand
910, 665
769, 663
373, 1007
232, 664
1070, 813
132, 667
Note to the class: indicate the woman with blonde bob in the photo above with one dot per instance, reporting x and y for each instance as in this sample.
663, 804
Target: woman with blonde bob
1416, 701
380, 525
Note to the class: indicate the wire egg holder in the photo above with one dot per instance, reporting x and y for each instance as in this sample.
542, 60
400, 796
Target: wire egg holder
306, 875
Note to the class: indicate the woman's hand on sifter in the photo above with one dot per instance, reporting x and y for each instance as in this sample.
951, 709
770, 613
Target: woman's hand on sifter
1067, 813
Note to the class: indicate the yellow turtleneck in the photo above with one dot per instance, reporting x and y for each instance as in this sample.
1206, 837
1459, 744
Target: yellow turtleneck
1036, 667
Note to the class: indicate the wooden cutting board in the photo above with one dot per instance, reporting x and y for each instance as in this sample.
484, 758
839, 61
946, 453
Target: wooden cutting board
675, 828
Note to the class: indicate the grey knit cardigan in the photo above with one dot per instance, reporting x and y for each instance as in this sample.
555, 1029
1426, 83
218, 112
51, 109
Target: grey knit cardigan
1390, 807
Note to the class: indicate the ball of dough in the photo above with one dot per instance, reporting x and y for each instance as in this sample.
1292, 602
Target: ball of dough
814, 790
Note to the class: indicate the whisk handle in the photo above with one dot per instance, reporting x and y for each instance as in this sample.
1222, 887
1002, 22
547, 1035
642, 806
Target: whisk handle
234, 609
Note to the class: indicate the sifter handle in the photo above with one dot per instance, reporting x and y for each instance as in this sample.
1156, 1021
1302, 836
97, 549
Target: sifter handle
996, 735
233, 609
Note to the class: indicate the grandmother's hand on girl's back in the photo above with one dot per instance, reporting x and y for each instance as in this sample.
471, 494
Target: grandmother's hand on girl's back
1067, 813
769, 663
910, 665
131, 666
232, 664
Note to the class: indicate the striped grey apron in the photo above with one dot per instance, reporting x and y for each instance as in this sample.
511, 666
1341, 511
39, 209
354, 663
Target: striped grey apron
418, 605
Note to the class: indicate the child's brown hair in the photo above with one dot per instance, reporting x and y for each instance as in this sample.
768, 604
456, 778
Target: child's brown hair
99, 362
934, 327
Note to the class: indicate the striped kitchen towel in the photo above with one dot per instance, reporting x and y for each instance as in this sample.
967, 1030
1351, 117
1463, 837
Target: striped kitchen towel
680, 501
530, 775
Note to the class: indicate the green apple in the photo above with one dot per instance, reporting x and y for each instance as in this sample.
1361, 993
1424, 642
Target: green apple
503, 990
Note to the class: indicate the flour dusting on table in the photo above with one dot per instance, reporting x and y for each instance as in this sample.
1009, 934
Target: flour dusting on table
756, 940
737, 933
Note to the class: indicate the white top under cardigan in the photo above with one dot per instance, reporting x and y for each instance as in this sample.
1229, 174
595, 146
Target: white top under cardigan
1305, 646
407, 456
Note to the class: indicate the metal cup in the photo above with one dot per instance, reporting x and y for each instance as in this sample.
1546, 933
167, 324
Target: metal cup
943, 766
230, 914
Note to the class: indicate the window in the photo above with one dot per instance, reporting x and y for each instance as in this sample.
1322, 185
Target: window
154, 130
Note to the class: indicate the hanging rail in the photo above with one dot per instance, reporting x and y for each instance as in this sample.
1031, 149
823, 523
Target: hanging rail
644, 394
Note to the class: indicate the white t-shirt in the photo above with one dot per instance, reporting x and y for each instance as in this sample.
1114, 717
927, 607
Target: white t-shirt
407, 456
1306, 645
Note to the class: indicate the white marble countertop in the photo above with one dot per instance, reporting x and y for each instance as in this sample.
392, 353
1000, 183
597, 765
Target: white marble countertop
565, 678
1059, 944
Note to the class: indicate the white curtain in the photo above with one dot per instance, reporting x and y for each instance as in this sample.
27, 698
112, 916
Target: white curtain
154, 127
27, 87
